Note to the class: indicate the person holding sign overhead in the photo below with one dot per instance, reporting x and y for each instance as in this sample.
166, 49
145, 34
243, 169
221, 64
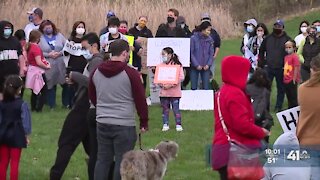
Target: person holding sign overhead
170, 92
308, 124
201, 55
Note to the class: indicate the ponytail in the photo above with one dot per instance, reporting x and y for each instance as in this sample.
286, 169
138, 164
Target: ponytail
175, 59
27, 46
12, 85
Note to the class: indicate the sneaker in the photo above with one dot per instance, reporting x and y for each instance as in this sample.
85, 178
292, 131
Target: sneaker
165, 127
179, 128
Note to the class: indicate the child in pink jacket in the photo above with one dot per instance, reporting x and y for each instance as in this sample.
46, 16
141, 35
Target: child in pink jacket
170, 94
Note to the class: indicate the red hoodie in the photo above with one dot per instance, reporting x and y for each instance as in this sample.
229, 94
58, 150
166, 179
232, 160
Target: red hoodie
236, 110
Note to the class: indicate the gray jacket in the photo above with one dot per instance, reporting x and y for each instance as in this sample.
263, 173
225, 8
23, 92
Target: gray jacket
56, 74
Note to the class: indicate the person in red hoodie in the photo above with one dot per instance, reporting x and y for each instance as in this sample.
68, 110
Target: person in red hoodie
237, 113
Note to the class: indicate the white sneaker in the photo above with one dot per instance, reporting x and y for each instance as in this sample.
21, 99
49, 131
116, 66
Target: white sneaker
165, 127
179, 128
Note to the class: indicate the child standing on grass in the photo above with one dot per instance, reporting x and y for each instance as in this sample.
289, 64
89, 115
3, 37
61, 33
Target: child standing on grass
170, 94
291, 74
15, 126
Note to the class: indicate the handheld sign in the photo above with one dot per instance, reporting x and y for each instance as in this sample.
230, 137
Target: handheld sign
167, 74
74, 48
196, 100
180, 46
131, 42
288, 119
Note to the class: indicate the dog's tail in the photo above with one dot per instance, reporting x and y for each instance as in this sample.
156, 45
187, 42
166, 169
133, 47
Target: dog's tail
127, 167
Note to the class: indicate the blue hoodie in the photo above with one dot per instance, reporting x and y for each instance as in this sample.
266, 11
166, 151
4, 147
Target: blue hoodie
284, 169
202, 50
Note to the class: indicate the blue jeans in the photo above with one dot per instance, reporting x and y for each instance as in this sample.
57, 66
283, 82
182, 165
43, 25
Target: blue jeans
278, 74
51, 97
194, 76
113, 142
165, 103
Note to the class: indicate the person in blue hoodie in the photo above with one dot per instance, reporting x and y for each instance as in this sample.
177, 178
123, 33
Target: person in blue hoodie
283, 168
202, 52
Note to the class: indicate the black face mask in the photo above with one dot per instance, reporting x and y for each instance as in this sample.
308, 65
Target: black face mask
313, 35
277, 31
170, 19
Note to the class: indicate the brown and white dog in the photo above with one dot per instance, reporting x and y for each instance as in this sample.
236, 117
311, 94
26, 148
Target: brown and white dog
148, 165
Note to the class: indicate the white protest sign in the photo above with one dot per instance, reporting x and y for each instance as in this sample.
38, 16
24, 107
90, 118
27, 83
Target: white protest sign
180, 46
154, 89
74, 48
252, 58
196, 100
289, 119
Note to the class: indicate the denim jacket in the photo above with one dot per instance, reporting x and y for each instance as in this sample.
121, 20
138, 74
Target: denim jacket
202, 50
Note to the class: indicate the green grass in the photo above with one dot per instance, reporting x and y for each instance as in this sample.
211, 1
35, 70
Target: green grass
38, 158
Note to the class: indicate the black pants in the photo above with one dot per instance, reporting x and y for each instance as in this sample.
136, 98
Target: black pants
74, 131
144, 77
291, 92
38, 100
223, 172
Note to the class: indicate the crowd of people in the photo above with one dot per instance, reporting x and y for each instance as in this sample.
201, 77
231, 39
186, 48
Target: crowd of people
102, 117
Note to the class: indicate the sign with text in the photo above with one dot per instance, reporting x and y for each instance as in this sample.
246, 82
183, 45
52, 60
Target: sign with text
180, 46
288, 119
196, 100
74, 48
167, 74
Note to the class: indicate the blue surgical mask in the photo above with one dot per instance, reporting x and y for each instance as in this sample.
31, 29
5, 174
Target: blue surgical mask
30, 18
48, 31
318, 28
88, 56
164, 59
250, 29
7, 33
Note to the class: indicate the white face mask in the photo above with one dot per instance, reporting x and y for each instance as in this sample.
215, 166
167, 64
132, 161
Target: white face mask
260, 34
88, 55
113, 30
303, 29
80, 31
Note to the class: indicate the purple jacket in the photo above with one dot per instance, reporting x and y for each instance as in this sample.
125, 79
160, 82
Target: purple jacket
202, 50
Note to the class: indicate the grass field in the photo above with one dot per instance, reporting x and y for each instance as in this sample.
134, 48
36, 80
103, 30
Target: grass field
38, 158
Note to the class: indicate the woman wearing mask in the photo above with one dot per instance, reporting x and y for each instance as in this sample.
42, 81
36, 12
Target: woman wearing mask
201, 55
302, 33
255, 43
309, 48
52, 43
249, 28
75, 63
308, 126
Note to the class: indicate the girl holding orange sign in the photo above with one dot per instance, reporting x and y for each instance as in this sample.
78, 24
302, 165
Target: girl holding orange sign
170, 92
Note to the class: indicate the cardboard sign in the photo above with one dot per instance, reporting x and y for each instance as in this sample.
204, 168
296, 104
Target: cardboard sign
167, 74
154, 89
289, 119
196, 100
144, 44
180, 46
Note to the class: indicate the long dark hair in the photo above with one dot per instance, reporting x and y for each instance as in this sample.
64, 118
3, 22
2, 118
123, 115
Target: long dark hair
174, 58
260, 79
12, 86
74, 27
264, 27
303, 22
204, 25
